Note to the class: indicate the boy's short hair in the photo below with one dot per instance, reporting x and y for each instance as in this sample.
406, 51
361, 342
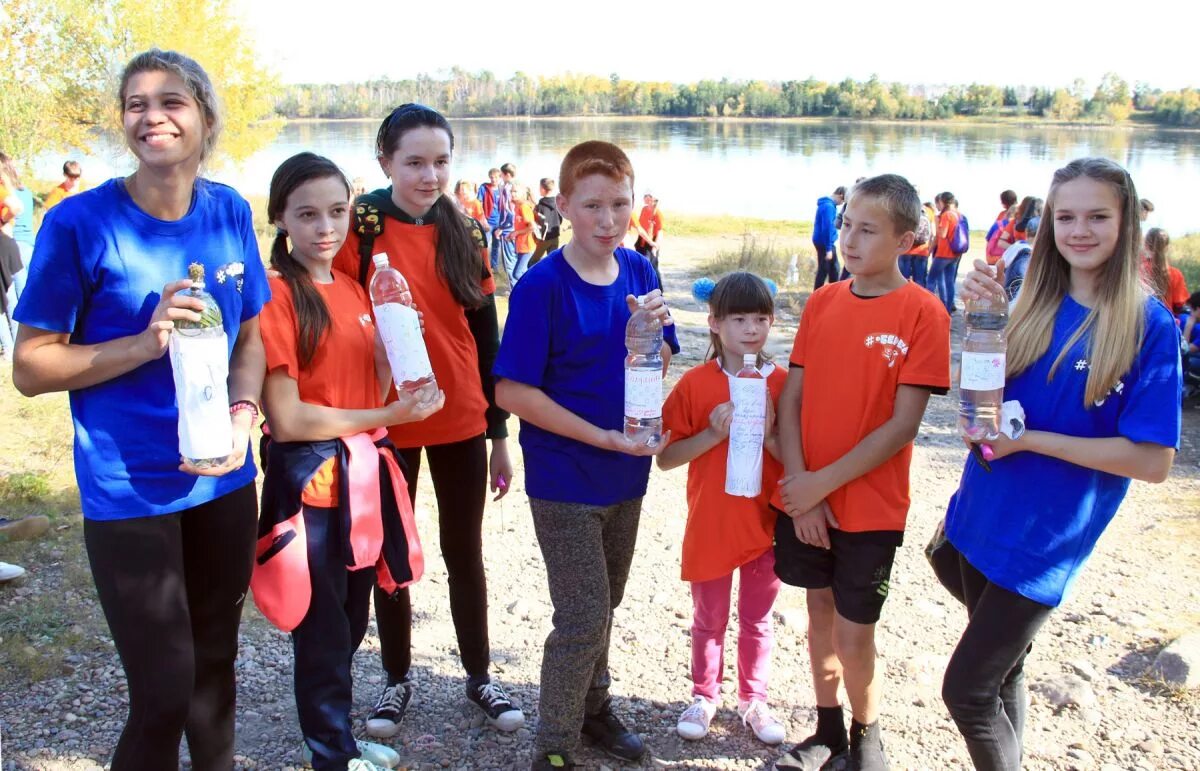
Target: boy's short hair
896, 196
508, 168
594, 157
493, 173
1147, 205
71, 169
547, 184
840, 190
1008, 197
1194, 301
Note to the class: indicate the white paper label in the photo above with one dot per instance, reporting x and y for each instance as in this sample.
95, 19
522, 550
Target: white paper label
982, 371
200, 366
743, 467
643, 393
400, 330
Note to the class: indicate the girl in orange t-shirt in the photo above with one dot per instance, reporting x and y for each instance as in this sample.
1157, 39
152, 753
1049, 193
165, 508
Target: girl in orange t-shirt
464, 194
727, 533
522, 234
323, 392
1165, 280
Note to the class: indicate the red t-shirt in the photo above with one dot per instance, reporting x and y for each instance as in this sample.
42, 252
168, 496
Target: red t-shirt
947, 224
412, 250
651, 220
1177, 291
856, 352
723, 531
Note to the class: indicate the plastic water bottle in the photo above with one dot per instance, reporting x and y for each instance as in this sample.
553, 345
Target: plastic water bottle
981, 384
743, 465
400, 330
199, 353
643, 376
793, 272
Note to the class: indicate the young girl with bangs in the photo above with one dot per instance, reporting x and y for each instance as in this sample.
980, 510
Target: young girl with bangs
1094, 360
725, 533
442, 254
323, 398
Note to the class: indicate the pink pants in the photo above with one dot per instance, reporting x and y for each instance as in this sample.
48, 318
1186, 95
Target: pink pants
757, 589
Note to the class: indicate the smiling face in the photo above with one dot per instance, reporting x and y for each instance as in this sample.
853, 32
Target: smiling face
316, 219
419, 169
1087, 224
869, 241
164, 126
599, 209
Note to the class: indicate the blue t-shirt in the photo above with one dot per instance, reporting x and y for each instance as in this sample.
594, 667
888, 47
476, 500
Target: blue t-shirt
98, 271
1031, 523
567, 337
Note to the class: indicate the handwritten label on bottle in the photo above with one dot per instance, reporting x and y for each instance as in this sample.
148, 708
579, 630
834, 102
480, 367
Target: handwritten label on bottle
743, 466
400, 330
643, 393
200, 367
982, 371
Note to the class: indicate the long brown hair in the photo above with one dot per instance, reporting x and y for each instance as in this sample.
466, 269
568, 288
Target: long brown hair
1157, 242
1115, 326
458, 260
312, 315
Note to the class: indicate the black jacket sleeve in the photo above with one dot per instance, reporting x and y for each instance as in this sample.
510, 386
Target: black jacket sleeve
485, 328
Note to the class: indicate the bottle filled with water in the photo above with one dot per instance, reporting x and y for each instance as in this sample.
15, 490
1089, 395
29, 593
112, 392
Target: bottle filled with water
743, 465
643, 376
400, 330
981, 383
199, 353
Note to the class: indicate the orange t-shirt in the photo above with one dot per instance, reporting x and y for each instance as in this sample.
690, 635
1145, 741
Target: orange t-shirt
947, 223
863, 350
412, 250
523, 218
723, 531
342, 371
1177, 291
651, 220
55, 196
474, 209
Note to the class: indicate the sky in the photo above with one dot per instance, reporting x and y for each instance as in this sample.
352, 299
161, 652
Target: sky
1050, 45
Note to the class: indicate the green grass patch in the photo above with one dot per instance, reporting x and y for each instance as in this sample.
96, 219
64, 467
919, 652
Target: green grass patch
693, 225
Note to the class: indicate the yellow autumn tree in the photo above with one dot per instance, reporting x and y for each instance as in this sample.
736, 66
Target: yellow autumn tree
62, 60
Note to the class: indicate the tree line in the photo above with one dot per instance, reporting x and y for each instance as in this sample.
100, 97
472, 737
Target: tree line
481, 94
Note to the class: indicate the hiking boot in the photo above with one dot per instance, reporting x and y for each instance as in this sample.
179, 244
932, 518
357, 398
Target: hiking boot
372, 754
552, 761
758, 717
607, 732
10, 572
812, 755
495, 705
25, 528
384, 721
693, 723
866, 748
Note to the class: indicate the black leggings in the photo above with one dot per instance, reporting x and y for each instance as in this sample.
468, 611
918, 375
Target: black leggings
984, 687
172, 588
460, 473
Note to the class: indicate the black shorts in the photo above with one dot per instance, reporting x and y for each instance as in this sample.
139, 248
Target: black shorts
857, 566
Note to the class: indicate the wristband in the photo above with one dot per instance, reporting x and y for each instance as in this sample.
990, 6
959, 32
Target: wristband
244, 405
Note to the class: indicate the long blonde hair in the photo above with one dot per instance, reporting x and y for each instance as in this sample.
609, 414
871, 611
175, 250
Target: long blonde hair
1115, 326
1157, 242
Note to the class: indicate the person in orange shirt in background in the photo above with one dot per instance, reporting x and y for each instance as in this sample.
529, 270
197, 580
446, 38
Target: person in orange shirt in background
69, 186
467, 200
516, 261
867, 356
727, 533
1166, 280
945, 261
650, 235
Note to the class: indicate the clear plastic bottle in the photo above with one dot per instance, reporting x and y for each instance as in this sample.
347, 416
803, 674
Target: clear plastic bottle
643, 376
199, 353
400, 330
981, 382
743, 465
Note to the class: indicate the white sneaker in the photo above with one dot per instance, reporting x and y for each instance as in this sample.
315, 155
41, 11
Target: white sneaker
693, 723
370, 752
9, 572
757, 715
358, 764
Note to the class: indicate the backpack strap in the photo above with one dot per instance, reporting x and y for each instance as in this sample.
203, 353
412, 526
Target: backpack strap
368, 224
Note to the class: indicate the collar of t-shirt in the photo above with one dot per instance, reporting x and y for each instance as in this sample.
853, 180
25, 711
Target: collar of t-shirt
765, 370
381, 199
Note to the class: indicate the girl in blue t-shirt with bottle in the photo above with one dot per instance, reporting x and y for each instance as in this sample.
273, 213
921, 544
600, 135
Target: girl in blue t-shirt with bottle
1094, 360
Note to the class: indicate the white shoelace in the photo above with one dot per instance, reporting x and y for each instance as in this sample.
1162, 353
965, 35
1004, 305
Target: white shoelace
759, 714
392, 698
492, 693
697, 713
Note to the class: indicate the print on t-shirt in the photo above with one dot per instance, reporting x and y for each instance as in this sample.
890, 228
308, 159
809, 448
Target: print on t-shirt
893, 346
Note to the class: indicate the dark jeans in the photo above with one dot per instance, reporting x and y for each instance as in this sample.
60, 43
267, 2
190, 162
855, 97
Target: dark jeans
915, 266
941, 281
984, 686
459, 471
172, 588
325, 641
650, 253
953, 280
827, 266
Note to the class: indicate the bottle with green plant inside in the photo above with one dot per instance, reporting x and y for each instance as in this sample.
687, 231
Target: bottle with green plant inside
200, 366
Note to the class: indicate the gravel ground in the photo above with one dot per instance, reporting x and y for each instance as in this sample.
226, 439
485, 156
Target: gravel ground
1092, 705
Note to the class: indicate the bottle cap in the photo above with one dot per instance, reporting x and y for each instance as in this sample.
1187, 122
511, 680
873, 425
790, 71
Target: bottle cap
381, 260
749, 359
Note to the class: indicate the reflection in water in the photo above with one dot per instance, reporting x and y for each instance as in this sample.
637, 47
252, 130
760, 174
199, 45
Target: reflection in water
774, 170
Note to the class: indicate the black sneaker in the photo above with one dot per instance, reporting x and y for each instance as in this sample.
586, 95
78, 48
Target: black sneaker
606, 731
384, 721
813, 755
866, 749
496, 706
552, 761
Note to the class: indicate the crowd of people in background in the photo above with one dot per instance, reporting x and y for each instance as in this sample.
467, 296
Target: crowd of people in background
174, 547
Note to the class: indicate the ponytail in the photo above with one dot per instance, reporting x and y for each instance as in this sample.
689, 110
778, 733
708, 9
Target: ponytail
312, 316
459, 262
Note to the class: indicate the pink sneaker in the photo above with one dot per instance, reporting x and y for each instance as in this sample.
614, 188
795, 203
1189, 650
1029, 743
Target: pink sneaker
756, 714
693, 723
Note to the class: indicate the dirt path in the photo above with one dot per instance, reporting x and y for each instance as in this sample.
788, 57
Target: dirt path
1138, 592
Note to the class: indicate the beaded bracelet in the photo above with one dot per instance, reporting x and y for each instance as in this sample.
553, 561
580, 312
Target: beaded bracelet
246, 405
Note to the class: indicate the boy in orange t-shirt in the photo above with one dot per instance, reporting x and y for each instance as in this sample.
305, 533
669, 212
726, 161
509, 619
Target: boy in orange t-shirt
866, 357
